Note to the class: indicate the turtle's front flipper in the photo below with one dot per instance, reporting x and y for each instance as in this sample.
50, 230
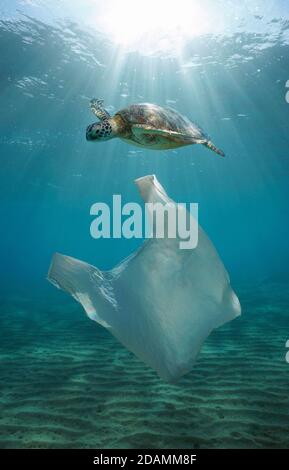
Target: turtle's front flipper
140, 130
97, 108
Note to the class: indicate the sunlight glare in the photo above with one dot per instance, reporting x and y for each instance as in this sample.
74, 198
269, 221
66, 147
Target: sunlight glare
153, 24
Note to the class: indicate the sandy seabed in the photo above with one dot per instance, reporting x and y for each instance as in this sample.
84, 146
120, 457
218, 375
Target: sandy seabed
65, 382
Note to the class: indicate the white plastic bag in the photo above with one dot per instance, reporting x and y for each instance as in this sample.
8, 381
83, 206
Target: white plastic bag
162, 302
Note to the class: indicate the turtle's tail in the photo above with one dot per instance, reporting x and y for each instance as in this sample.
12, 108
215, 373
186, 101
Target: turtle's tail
211, 146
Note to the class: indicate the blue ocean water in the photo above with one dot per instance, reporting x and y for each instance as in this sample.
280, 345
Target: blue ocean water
56, 366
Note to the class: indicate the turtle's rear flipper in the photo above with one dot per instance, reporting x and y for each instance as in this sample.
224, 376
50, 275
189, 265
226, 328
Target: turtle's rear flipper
211, 146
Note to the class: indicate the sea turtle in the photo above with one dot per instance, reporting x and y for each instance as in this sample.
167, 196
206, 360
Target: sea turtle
147, 125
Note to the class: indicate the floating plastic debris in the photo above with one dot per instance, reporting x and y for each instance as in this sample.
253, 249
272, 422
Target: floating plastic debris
162, 302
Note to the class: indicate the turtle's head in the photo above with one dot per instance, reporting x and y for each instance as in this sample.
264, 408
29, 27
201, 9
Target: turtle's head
100, 131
